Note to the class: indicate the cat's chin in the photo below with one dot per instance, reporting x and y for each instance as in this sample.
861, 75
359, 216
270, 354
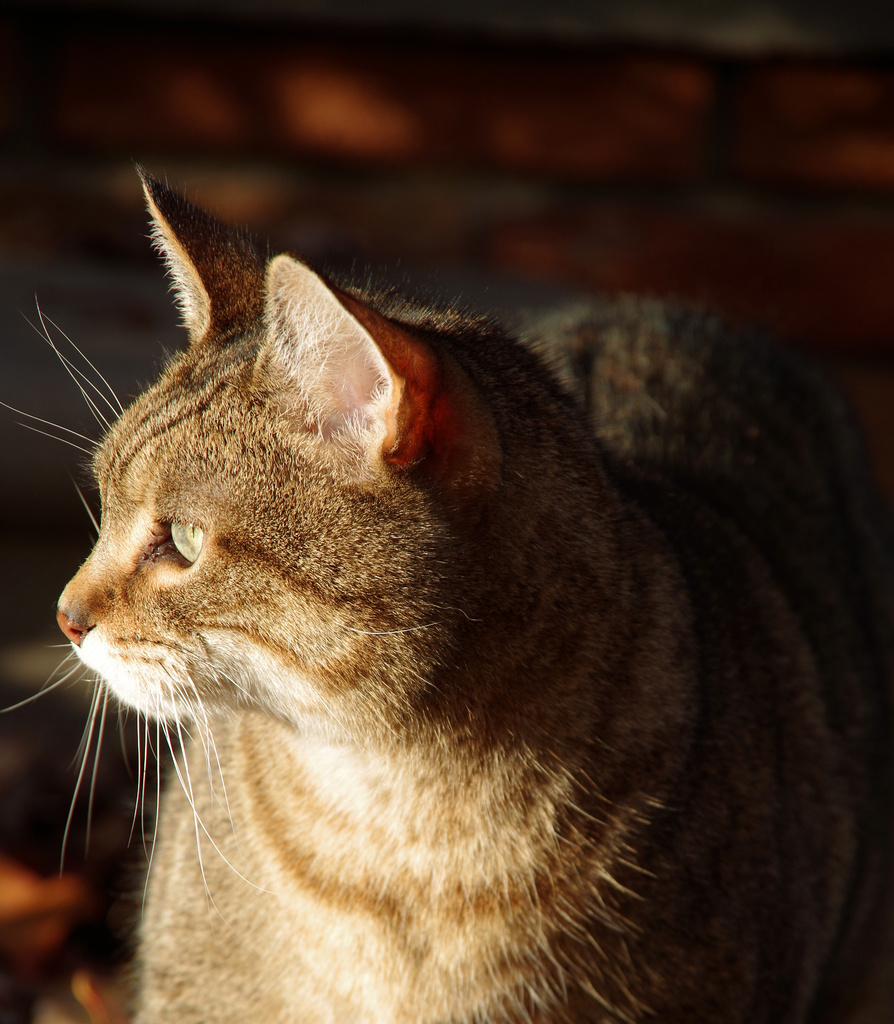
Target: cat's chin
157, 681
136, 683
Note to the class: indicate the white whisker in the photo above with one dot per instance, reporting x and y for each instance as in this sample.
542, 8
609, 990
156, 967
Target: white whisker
123, 713
111, 390
186, 785
64, 440
47, 687
84, 747
87, 733
389, 632
157, 796
77, 375
203, 735
48, 423
141, 789
212, 746
190, 798
72, 367
86, 506
93, 777
73, 371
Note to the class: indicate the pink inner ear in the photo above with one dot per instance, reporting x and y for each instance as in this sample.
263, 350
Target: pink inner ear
352, 384
427, 420
363, 391
330, 358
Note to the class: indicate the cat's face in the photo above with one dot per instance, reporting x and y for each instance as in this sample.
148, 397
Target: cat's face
274, 532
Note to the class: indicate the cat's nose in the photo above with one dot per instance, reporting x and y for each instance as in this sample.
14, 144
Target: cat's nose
72, 628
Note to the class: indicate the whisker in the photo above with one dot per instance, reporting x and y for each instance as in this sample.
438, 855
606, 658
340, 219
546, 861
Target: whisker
209, 745
212, 745
202, 735
92, 366
86, 506
219, 674
96, 756
147, 748
157, 796
78, 376
208, 742
91, 714
64, 440
188, 792
47, 687
454, 608
69, 364
141, 783
157, 785
389, 632
88, 737
73, 371
190, 798
123, 713
48, 423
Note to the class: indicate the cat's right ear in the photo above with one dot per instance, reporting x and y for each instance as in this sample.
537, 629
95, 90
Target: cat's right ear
216, 271
378, 398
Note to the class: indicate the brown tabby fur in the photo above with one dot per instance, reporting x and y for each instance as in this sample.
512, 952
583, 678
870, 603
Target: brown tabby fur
497, 714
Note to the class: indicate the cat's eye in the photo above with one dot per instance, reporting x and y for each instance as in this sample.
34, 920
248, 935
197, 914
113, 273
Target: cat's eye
188, 539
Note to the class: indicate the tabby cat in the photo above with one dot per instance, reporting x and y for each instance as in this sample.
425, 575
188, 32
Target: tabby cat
503, 699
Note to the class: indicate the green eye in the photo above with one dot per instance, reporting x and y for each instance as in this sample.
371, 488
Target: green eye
187, 538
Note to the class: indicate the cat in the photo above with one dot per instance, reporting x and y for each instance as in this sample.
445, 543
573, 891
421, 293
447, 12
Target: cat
518, 681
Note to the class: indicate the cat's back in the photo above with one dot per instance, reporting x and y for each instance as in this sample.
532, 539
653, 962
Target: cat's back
697, 419
753, 467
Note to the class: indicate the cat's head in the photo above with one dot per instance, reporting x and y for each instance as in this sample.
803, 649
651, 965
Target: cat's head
284, 510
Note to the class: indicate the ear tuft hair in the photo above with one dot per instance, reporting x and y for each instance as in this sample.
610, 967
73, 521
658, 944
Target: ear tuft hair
216, 271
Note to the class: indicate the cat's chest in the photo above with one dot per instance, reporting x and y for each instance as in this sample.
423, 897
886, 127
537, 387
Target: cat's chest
376, 817
364, 884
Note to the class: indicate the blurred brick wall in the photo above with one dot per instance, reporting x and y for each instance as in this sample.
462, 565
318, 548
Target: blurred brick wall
764, 189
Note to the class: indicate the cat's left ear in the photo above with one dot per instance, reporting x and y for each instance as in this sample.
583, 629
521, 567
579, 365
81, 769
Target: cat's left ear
377, 396
217, 272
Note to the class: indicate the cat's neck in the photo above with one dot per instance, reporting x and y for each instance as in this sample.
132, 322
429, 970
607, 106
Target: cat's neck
591, 618
442, 818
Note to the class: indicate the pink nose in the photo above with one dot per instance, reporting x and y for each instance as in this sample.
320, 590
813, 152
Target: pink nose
75, 631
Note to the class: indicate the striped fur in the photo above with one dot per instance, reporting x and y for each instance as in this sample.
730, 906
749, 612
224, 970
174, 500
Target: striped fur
497, 704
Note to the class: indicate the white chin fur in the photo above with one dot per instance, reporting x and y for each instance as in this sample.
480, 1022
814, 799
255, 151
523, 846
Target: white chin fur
145, 685
156, 681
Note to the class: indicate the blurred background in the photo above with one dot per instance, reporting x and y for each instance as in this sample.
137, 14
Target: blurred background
737, 154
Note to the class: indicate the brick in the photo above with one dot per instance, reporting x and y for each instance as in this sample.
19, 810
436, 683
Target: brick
568, 115
821, 279
819, 126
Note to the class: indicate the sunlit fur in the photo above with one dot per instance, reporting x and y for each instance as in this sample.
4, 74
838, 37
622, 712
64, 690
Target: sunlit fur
485, 712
